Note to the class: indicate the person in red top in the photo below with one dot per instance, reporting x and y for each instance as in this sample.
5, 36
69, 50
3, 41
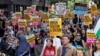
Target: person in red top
49, 50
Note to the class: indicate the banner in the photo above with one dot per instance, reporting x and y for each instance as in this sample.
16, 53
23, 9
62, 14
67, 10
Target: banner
80, 8
87, 19
91, 37
60, 8
55, 26
31, 40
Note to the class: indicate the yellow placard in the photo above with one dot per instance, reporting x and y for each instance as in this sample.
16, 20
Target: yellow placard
70, 14
35, 19
45, 16
18, 14
27, 17
13, 19
22, 23
29, 8
62, 17
87, 19
90, 34
31, 39
94, 8
55, 25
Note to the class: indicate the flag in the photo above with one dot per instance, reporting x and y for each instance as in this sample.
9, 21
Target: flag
97, 28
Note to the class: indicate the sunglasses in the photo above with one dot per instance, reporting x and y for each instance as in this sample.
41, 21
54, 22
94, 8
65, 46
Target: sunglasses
38, 39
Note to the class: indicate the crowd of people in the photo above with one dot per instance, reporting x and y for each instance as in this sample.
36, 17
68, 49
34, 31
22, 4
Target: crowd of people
13, 42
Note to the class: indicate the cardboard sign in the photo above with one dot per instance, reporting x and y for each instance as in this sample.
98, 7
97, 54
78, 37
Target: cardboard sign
60, 8
27, 17
31, 40
91, 37
80, 8
87, 19
14, 21
22, 23
55, 26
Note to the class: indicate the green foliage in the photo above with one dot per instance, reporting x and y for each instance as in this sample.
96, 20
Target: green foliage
70, 3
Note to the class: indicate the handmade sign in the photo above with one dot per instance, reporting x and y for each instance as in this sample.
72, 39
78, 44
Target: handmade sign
60, 8
55, 26
91, 37
80, 8
88, 19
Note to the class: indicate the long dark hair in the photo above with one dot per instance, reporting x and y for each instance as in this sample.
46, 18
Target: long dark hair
37, 39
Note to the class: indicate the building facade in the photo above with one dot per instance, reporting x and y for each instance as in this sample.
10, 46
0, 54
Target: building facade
14, 5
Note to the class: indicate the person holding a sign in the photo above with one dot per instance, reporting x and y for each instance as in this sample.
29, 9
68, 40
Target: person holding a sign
23, 48
76, 20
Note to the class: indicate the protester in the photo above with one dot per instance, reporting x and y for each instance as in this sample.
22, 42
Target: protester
23, 48
77, 42
39, 46
96, 51
49, 49
66, 49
